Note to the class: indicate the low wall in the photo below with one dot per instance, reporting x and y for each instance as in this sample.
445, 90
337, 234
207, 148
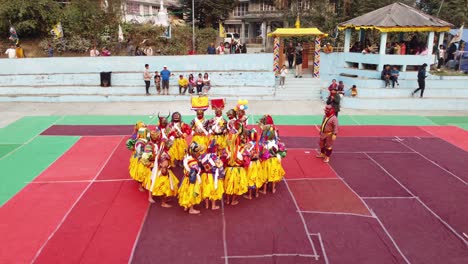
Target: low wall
240, 70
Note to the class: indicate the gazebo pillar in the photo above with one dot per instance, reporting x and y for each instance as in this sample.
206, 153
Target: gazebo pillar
347, 40
383, 42
430, 43
441, 39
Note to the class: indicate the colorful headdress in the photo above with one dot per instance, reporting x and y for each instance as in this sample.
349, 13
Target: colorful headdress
242, 105
163, 119
252, 134
175, 116
142, 133
194, 148
200, 103
218, 104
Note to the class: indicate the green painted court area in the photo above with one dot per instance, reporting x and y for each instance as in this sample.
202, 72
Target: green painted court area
7, 148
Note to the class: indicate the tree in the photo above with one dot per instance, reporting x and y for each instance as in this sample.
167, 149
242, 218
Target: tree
453, 11
30, 18
208, 12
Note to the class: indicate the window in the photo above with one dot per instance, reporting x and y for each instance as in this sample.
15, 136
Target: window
241, 9
266, 7
133, 8
146, 10
304, 4
155, 10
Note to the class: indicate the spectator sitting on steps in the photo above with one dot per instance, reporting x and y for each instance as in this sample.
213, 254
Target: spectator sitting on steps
385, 75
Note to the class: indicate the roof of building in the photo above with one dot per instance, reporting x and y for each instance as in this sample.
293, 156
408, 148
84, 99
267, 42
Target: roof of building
397, 17
295, 32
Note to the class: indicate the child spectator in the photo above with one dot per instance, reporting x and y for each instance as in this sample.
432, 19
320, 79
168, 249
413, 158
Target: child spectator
206, 83
283, 73
192, 83
385, 75
105, 52
394, 76
157, 82
440, 57
340, 88
354, 92
199, 83
94, 52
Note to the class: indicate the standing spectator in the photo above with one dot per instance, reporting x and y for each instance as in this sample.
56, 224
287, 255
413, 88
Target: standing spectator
394, 76
220, 49
147, 78
165, 75
11, 52
130, 48
385, 75
333, 85
299, 50
206, 83
50, 50
340, 88
183, 84
191, 83
244, 48
211, 49
157, 82
440, 57
290, 50
94, 52
402, 48
396, 49
328, 48
334, 101
199, 83
232, 47
20, 52
283, 73
105, 52
421, 80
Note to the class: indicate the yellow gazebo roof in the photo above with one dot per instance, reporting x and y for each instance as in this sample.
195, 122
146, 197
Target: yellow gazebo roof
296, 32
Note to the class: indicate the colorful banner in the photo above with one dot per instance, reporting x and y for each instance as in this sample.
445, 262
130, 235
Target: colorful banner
13, 35
57, 31
317, 58
276, 55
222, 32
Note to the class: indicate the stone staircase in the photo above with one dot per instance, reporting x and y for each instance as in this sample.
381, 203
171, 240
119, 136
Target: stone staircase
305, 88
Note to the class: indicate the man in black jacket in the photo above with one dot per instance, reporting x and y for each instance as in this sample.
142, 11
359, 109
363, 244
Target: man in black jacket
421, 80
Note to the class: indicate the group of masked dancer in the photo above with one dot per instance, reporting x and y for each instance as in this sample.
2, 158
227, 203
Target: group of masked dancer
222, 159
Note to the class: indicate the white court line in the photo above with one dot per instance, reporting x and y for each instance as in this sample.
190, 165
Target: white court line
391, 238
433, 162
336, 213
226, 259
323, 249
390, 197
273, 255
76, 202
311, 179
31, 139
419, 200
139, 233
79, 181
352, 118
373, 152
302, 218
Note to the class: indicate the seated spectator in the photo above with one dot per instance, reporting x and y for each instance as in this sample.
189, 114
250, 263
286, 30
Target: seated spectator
20, 52
94, 52
354, 92
191, 84
355, 47
340, 88
105, 52
333, 85
369, 50
183, 84
139, 51
396, 49
11, 52
334, 101
199, 83
402, 48
328, 48
211, 49
394, 76
385, 75
220, 49
206, 83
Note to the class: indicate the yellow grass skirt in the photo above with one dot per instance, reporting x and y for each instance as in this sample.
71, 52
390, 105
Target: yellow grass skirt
201, 140
208, 188
220, 140
162, 186
189, 193
236, 181
256, 175
139, 171
273, 169
132, 166
177, 151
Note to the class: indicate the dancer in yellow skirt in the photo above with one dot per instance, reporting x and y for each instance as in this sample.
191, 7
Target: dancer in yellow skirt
136, 168
178, 131
236, 182
272, 151
255, 173
199, 127
212, 176
190, 189
164, 182
131, 146
218, 125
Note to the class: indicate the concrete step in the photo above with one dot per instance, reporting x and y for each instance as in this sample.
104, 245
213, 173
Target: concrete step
456, 104
406, 92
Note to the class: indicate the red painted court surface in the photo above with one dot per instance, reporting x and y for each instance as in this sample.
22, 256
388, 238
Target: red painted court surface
392, 194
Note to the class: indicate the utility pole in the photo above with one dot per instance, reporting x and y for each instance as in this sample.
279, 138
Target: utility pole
440, 7
193, 25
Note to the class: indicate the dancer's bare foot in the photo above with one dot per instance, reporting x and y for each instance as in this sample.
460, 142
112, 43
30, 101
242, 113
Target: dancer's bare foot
273, 190
235, 202
193, 211
207, 205
185, 209
165, 205
263, 192
151, 200
214, 207
256, 194
246, 196
141, 189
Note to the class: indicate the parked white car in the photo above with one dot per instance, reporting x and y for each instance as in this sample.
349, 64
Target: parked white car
229, 36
